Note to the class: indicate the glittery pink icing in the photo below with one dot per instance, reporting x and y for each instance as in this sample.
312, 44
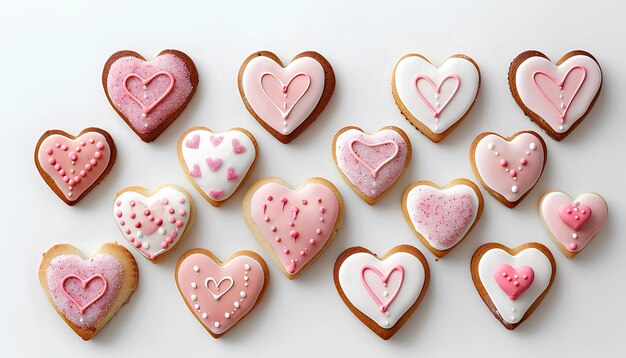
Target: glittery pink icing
222, 295
152, 91
106, 265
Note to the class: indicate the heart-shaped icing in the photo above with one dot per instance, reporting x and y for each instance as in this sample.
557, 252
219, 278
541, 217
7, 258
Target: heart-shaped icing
508, 167
514, 281
149, 95
153, 222
559, 212
217, 163
220, 295
72, 166
295, 226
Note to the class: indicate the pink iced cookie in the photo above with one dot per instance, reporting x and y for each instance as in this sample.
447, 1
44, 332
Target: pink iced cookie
573, 223
371, 164
149, 95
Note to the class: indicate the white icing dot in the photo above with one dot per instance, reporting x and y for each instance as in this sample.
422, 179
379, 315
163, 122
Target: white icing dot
145, 245
194, 285
574, 236
285, 123
242, 294
81, 320
527, 153
194, 297
514, 188
216, 324
285, 130
145, 87
144, 116
512, 318
437, 95
385, 293
236, 304
245, 278
436, 104
161, 231
561, 128
513, 309
204, 315
533, 146
196, 268
562, 105
245, 284
496, 153
491, 146
247, 267
386, 323
519, 168
196, 306
227, 315
139, 233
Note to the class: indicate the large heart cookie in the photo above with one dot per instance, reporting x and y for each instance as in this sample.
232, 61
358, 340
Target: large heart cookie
508, 167
149, 95
73, 165
442, 217
558, 96
573, 223
382, 293
217, 163
435, 99
294, 226
371, 164
87, 293
154, 222
513, 282
285, 100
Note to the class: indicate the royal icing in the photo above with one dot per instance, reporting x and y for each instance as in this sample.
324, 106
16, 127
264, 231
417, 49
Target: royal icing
153, 224
217, 162
573, 222
436, 97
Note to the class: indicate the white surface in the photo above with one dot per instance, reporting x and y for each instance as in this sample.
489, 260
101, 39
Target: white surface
52, 58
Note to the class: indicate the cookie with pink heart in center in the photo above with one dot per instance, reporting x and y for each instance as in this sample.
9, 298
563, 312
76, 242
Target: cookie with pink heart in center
513, 282
87, 293
217, 163
73, 165
371, 164
508, 167
294, 226
442, 217
285, 100
154, 222
220, 294
558, 97
149, 95
573, 223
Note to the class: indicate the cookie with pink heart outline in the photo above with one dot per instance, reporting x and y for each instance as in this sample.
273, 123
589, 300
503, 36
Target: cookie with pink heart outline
382, 293
73, 165
217, 163
573, 223
558, 97
220, 294
371, 164
87, 293
285, 100
295, 227
442, 217
156, 221
149, 95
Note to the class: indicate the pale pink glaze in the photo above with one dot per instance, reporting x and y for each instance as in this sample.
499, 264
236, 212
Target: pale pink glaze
296, 224
68, 291
384, 302
74, 164
158, 87
222, 295
358, 154
514, 281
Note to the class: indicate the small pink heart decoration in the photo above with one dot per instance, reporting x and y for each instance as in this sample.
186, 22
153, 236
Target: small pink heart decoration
514, 281
575, 215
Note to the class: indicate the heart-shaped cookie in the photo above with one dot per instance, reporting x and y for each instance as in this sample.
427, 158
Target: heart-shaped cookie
294, 226
285, 100
573, 223
513, 282
149, 95
221, 294
508, 167
154, 222
435, 99
73, 165
371, 164
442, 217
217, 163
558, 96
87, 293
382, 293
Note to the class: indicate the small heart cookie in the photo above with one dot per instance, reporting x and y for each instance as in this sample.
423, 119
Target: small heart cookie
217, 163
154, 222
558, 96
87, 293
513, 282
73, 165
442, 217
294, 226
383, 293
573, 223
149, 95
285, 100
221, 294
371, 164
435, 100
508, 167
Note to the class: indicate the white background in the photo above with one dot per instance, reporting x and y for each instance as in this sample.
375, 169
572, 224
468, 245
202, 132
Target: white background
50, 68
